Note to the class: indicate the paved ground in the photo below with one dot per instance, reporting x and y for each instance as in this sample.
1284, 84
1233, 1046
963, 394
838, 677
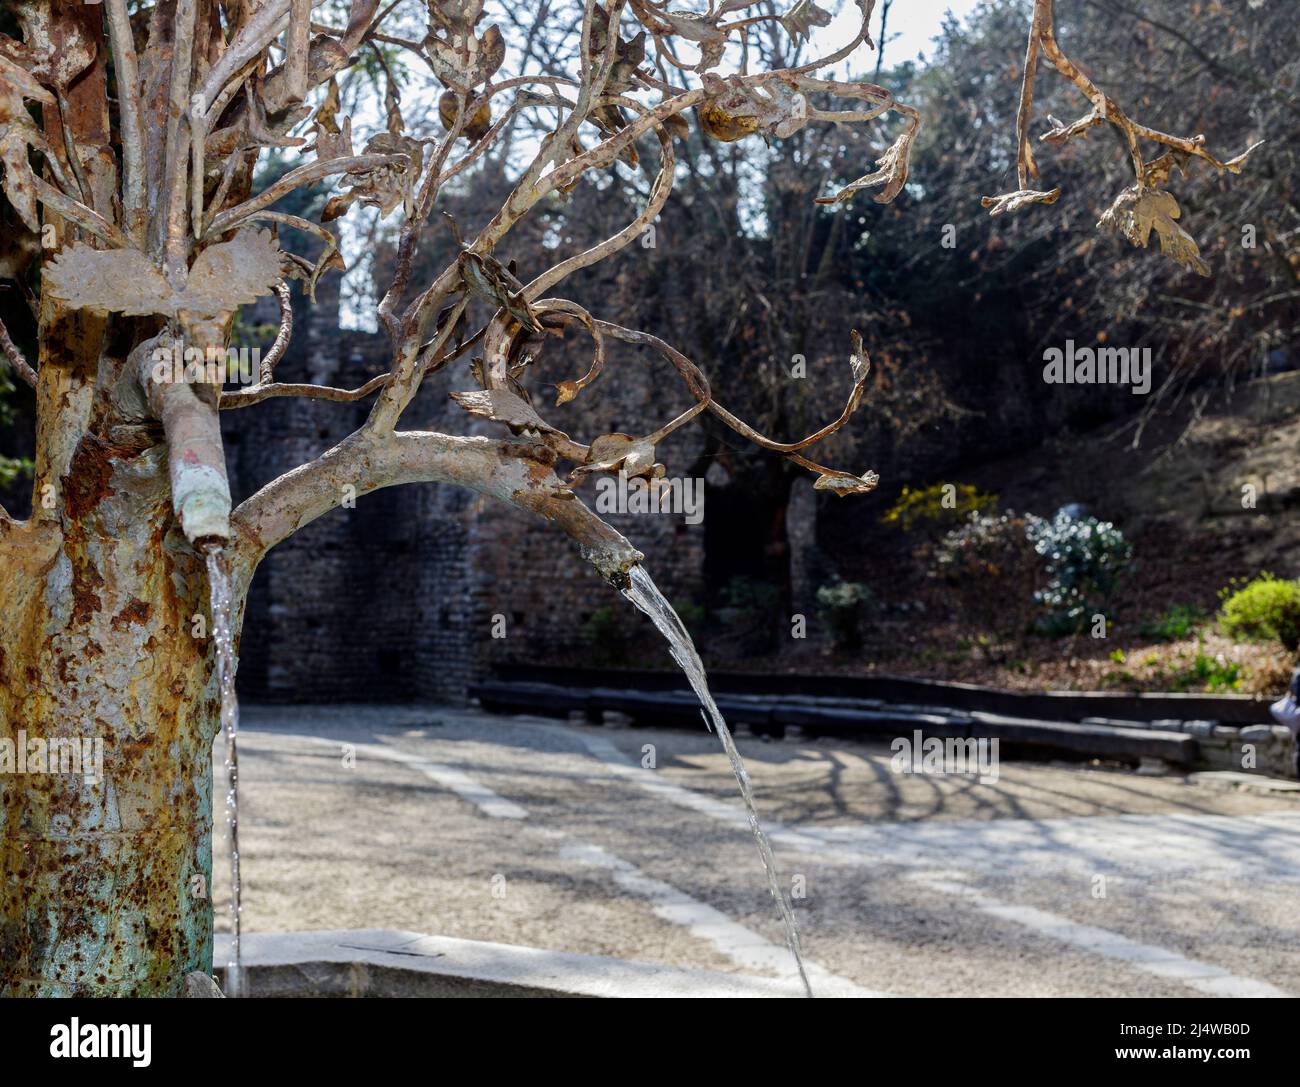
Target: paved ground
1055, 880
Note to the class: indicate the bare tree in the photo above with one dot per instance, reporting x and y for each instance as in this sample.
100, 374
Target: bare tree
137, 180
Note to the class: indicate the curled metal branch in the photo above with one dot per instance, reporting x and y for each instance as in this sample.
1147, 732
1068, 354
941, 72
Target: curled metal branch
255, 394
20, 364
281, 344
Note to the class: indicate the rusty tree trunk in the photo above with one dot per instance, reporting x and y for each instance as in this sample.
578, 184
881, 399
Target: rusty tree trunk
105, 885
105, 881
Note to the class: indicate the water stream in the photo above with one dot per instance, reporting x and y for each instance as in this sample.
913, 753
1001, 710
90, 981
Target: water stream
645, 594
641, 591
219, 584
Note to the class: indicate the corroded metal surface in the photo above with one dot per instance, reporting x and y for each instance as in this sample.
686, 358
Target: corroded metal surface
106, 883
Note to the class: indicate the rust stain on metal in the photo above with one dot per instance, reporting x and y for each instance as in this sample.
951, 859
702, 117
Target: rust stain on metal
136, 611
87, 481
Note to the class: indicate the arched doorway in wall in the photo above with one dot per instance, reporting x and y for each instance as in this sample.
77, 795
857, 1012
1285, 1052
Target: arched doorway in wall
746, 552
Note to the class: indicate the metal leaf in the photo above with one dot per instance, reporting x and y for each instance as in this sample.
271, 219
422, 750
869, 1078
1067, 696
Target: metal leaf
233, 273
478, 115
696, 28
18, 184
332, 139
1136, 213
489, 56
633, 457
843, 483
224, 277
383, 187
628, 55
503, 406
1235, 164
457, 56
892, 174
486, 277
858, 361
455, 15
18, 133
1014, 201
108, 280
800, 19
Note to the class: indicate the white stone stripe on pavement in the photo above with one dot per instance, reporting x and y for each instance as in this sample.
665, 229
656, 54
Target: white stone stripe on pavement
460, 783
1223, 846
742, 945
1201, 976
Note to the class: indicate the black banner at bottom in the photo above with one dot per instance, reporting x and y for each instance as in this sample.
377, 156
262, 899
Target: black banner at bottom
338, 1037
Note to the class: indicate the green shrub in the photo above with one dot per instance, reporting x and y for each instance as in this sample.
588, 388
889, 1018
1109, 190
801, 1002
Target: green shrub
11, 468
749, 595
1263, 609
607, 636
992, 570
1214, 675
692, 616
749, 613
1175, 624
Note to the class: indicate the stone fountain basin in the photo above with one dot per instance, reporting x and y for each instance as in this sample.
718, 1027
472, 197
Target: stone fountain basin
389, 962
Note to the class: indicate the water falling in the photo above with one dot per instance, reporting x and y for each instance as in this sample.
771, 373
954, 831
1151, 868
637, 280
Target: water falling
645, 594
219, 585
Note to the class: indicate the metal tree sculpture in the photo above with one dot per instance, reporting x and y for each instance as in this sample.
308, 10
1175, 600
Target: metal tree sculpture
131, 190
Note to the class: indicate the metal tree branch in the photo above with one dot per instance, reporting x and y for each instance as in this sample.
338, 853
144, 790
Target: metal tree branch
169, 243
267, 372
515, 472
230, 105
16, 360
1137, 210
77, 213
128, 91
255, 394
195, 454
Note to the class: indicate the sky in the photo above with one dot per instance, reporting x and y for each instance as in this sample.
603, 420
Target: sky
915, 22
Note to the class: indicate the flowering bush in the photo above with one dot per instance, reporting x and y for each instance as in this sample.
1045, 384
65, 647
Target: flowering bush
937, 504
1084, 559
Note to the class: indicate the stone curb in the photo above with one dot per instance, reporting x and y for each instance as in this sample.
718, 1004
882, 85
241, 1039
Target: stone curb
390, 962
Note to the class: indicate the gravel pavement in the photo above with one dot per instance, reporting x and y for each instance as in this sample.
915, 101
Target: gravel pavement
1055, 880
